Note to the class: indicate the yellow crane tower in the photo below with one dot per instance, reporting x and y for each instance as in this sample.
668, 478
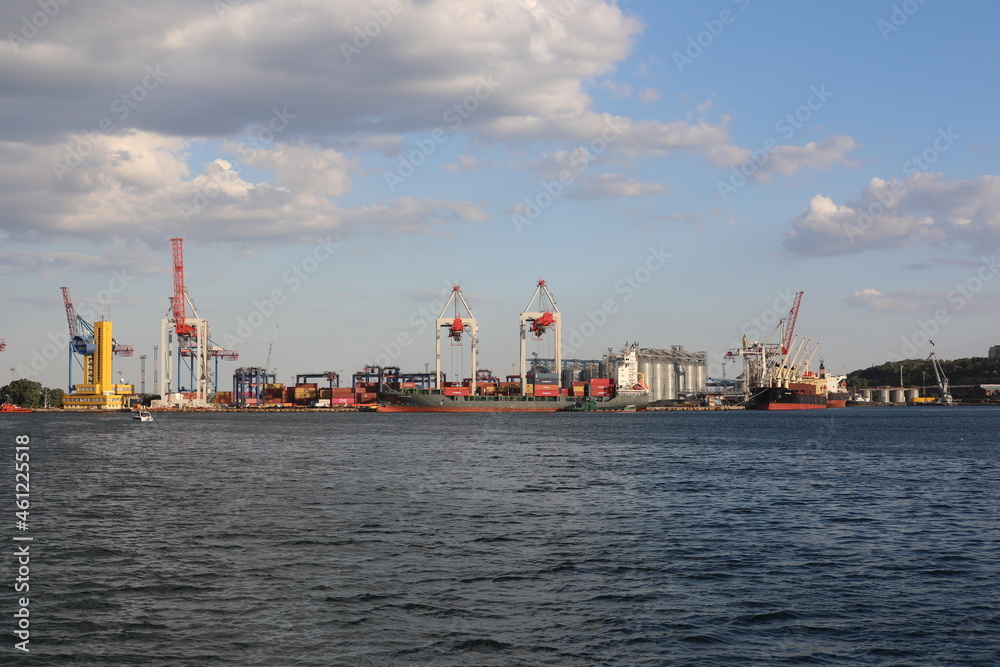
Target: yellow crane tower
98, 391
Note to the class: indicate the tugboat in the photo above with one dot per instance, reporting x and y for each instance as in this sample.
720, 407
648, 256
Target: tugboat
10, 407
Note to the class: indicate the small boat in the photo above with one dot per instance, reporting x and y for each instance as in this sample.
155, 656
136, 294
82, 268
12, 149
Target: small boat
142, 415
10, 407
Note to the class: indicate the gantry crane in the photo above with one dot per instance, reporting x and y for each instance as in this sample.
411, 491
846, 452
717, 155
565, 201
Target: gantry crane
458, 324
543, 315
81, 337
193, 344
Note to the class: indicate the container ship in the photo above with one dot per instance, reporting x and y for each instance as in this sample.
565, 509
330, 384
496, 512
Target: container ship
537, 389
624, 392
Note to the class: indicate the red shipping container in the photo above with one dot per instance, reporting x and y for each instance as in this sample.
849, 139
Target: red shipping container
600, 381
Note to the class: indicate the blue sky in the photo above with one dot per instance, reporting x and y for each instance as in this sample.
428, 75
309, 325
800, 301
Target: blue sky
673, 170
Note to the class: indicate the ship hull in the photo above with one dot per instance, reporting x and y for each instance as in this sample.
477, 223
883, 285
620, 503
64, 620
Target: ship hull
837, 399
777, 398
435, 402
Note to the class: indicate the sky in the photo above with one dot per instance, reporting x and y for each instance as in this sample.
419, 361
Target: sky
675, 172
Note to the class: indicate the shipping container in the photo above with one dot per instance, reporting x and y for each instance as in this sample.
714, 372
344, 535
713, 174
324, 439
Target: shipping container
342, 400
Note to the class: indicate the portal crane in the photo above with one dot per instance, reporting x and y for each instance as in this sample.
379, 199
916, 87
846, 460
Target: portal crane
193, 341
81, 337
942, 379
543, 315
457, 325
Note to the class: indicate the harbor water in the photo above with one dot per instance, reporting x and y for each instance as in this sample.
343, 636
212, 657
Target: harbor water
865, 536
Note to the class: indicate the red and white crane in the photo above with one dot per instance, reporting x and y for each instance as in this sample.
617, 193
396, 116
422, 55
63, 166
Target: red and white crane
543, 315
187, 337
177, 303
458, 323
793, 315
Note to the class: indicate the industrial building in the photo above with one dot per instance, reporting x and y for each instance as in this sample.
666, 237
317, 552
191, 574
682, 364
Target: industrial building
674, 373
994, 351
670, 374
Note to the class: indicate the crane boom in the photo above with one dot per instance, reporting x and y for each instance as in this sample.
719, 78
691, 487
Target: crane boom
270, 346
74, 329
793, 315
183, 329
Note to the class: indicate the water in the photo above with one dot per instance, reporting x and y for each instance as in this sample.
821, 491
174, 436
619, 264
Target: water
841, 537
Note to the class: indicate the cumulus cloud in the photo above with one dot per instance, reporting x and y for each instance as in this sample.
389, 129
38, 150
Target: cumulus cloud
923, 208
305, 55
125, 96
134, 186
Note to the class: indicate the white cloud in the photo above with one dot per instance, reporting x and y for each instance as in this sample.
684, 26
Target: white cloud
522, 67
607, 186
137, 186
465, 163
925, 301
301, 168
617, 90
898, 302
649, 95
923, 208
817, 155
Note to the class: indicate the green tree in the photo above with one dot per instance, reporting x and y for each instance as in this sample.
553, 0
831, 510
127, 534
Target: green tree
26, 393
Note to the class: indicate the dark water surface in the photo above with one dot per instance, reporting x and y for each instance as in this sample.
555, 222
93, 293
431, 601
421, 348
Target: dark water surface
863, 536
